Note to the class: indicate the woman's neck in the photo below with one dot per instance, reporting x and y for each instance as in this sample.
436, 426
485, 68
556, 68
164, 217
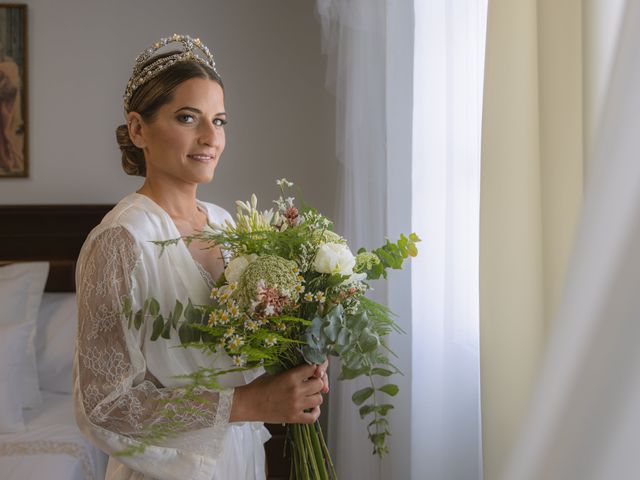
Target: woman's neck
180, 203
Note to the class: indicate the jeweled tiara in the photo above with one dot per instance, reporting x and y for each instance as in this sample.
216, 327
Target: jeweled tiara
190, 49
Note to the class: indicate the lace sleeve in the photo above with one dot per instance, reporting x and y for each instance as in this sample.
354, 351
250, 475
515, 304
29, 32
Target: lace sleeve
116, 399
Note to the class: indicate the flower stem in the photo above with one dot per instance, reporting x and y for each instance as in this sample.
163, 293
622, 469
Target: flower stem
317, 450
308, 452
325, 450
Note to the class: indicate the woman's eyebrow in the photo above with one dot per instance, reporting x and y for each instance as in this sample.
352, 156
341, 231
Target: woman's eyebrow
196, 110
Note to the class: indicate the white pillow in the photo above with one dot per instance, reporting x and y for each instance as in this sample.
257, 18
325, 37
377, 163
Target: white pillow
21, 288
13, 343
55, 341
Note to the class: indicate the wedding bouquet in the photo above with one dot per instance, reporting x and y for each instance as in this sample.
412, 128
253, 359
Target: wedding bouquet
292, 292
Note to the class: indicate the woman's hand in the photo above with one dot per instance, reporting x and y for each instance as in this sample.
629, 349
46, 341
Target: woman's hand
293, 396
321, 373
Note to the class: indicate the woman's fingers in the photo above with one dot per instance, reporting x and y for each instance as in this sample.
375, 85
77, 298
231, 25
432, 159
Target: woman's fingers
302, 372
294, 396
321, 373
308, 417
311, 386
312, 401
321, 369
325, 381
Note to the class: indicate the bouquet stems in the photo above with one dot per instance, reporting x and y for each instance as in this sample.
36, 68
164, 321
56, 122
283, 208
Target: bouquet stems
310, 455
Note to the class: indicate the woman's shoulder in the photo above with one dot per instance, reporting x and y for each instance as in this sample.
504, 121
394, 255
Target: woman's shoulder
135, 215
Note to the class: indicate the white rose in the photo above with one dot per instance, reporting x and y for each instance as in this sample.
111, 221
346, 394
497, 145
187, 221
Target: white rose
237, 266
334, 258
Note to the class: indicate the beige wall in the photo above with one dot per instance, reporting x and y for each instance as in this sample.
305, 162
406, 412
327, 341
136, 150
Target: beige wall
530, 197
268, 53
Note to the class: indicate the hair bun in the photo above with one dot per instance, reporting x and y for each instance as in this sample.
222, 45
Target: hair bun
132, 157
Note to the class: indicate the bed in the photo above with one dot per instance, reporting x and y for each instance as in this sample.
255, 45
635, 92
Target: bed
39, 246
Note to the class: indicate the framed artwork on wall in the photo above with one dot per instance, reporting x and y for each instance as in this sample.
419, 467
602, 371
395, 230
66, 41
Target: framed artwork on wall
14, 159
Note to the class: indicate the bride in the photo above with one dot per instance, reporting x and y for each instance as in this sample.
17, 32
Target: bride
174, 137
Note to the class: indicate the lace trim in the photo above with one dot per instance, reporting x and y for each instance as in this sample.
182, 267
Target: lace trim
109, 265
222, 418
205, 274
40, 447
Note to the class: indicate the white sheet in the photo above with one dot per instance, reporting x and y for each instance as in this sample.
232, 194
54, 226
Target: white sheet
52, 447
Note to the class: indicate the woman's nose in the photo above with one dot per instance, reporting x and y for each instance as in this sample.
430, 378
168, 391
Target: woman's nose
211, 135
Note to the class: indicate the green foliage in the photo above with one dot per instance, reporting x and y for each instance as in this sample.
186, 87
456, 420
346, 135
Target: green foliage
336, 320
390, 389
361, 395
358, 340
391, 255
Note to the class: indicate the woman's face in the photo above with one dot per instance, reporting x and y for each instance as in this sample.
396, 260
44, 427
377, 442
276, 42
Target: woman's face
185, 139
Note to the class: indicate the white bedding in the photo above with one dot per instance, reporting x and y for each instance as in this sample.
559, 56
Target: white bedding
52, 447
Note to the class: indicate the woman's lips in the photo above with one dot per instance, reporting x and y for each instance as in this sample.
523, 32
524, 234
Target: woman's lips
201, 158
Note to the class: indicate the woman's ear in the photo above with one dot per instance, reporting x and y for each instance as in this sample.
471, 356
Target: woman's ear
136, 130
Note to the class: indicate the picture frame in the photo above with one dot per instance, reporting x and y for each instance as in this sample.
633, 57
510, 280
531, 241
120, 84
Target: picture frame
14, 158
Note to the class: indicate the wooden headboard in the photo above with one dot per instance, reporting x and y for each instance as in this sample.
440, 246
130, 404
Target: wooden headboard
51, 233
55, 233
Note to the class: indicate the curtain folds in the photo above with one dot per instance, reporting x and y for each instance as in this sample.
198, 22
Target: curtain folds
354, 40
447, 112
408, 83
531, 193
584, 421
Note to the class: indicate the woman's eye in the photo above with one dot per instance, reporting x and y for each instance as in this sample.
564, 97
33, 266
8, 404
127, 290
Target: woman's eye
219, 122
186, 118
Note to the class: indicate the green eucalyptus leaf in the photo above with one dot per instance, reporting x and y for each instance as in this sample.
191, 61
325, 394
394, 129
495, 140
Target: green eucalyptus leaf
344, 337
137, 319
390, 389
312, 340
186, 333
335, 314
154, 307
379, 422
368, 341
145, 306
357, 322
313, 356
360, 396
158, 325
191, 313
350, 373
378, 439
403, 243
383, 409
313, 334
316, 326
353, 360
166, 331
383, 372
366, 410
331, 330
177, 313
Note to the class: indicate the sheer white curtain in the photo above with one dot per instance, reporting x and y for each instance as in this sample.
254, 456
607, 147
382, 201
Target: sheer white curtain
584, 421
354, 40
448, 81
408, 83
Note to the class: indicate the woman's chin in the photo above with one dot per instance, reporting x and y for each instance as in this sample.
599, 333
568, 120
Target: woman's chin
206, 177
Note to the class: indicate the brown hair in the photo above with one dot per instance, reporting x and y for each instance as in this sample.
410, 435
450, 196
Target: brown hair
149, 97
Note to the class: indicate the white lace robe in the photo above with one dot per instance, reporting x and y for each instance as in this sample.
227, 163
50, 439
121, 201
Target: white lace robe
120, 375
